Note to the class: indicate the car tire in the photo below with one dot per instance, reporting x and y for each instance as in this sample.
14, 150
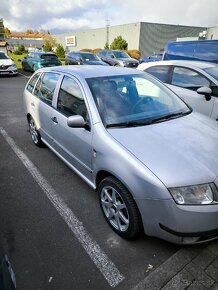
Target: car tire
34, 133
119, 208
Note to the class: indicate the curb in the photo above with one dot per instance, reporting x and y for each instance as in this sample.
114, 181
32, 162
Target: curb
171, 267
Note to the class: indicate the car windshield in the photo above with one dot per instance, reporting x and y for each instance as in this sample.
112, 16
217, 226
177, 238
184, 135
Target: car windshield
48, 56
90, 57
213, 71
134, 100
3, 56
120, 54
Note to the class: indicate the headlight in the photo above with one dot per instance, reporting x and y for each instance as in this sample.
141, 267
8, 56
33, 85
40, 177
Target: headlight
197, 194
121, 63
14, 66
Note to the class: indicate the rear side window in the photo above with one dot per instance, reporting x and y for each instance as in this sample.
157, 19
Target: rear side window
160, 72
70, 99
32, 83
189, 79
207, 51
45, 87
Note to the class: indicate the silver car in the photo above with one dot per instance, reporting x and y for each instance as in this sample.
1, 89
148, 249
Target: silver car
196, 82
152, 160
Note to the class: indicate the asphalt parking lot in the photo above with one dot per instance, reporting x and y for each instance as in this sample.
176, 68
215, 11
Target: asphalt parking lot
51, 220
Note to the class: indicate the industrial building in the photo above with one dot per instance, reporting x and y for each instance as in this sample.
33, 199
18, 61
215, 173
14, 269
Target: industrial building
143, 36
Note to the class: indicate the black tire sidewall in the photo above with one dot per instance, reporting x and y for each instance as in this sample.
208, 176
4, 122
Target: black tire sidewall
133, 229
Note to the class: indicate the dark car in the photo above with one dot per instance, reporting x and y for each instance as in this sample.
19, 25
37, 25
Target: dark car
117, 58
83, 58
36, 60
156, 56
200, 50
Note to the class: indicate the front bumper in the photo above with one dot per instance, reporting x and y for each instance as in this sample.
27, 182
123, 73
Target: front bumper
181, 224
8, 71
133, 65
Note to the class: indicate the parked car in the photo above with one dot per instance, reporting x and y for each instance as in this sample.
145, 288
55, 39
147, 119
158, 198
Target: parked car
36, 60
7, 65
117, 58
152, 160
200, 50
156, 56
83, 58
195, 82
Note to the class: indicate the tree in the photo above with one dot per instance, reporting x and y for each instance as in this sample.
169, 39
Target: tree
21, 48
119, 43
60, 51
106, 45
49, 43
29, 31
7, 32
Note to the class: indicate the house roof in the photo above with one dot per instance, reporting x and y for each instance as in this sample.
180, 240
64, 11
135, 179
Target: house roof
3, 43
28, 35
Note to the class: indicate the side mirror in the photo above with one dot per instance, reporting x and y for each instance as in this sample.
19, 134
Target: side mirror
76, 121
206, 92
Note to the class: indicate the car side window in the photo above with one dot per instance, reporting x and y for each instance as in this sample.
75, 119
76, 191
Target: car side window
161, 72
70, 99
32, 83
189, 79
45, 87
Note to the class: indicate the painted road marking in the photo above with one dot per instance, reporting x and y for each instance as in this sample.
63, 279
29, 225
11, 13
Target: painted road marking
28, 77
101, 260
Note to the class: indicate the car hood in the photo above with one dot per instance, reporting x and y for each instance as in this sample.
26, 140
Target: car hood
93, 62
179, 152
129, 60
6, 62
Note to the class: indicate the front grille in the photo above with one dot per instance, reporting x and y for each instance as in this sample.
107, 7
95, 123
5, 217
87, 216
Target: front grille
4, 67
131, 64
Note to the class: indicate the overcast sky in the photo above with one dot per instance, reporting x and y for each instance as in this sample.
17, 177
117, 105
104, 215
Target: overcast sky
73, 15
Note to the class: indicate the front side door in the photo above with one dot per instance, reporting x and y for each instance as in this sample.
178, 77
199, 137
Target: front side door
73, 144
185, 83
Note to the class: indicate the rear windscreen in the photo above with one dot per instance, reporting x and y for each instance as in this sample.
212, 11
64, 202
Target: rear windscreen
48, 56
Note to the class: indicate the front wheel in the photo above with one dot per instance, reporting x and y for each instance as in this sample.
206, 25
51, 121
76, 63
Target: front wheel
119, 208
34, 133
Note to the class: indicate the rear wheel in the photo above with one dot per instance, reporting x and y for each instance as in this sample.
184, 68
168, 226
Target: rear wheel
119, 208
34, 133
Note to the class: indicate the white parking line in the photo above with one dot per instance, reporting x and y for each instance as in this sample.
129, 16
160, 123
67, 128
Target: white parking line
101, 260
24, 75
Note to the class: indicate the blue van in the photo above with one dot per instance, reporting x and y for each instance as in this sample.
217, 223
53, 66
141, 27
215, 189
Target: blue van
202, 50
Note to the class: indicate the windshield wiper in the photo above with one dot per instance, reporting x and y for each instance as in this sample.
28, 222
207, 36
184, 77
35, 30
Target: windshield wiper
129, 124
170, 116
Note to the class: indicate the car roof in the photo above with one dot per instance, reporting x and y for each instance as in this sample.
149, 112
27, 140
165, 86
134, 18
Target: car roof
81, 52
186, 63
43, 52
91, 71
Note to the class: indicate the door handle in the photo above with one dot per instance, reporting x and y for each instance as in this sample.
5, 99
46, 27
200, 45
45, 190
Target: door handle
54, 119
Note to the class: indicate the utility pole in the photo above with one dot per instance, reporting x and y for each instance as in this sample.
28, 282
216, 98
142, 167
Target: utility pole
107, 30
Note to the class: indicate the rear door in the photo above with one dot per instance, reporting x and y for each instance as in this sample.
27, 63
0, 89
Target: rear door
45, 89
